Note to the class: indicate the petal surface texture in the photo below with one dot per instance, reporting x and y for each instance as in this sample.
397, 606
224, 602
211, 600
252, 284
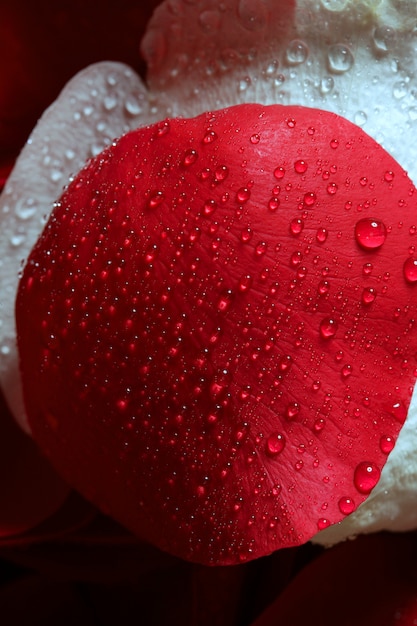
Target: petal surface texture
217, 328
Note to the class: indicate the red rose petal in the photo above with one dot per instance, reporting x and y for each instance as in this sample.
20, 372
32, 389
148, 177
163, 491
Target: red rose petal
171, 324
368, 582
30, 489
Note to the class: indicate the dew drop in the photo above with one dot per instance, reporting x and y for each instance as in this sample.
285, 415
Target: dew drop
410, 271
225, 301
275, 443
246, 235
252, 14
321, 235
323, 523
273, 203
296, 226
292, 410
346, 505
346, 371
221, 173
209, 207
399, 411
190, 158
300, 166
155, 199
340, 58
370, 233
328, 328
326, 85
386, 443
297, 52
310, 199
255, 139
261, 248
384, 39
245, 282
279, 173
243, 195
209, 137
368, 296
366, 476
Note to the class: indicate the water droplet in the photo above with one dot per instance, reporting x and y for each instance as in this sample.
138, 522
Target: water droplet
252, 14
326, 85
370, 233
273, 204
386, 443
346, 371
243, 195
368, 296
296, 226
255, 139
162, 128
190, 157
366, 476
292, 410
245, 282
225, 301
323, 287
279, 173
331, 189
297, 52
261, 248
340, 58
323, 523
346, 505
209, 137
328, 328
221, 173
410, 271
384, 39
321, 235
155, 199
275, 443
209, 207
310, 199
300, 166
399, 411
246, 235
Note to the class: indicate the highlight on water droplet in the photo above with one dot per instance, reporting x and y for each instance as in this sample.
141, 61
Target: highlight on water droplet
243, 195
296, 226
410, 270
366, 476
370, 233
275, 443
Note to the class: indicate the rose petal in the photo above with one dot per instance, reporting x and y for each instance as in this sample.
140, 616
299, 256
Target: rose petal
202, 350
369, 582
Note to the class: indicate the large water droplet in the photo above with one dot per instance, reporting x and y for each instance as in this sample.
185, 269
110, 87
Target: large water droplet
297, 52
370, 233
384, 39
386, 443
366, 476
328, 328
275, 443
340, 58
410, 271
346, 505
